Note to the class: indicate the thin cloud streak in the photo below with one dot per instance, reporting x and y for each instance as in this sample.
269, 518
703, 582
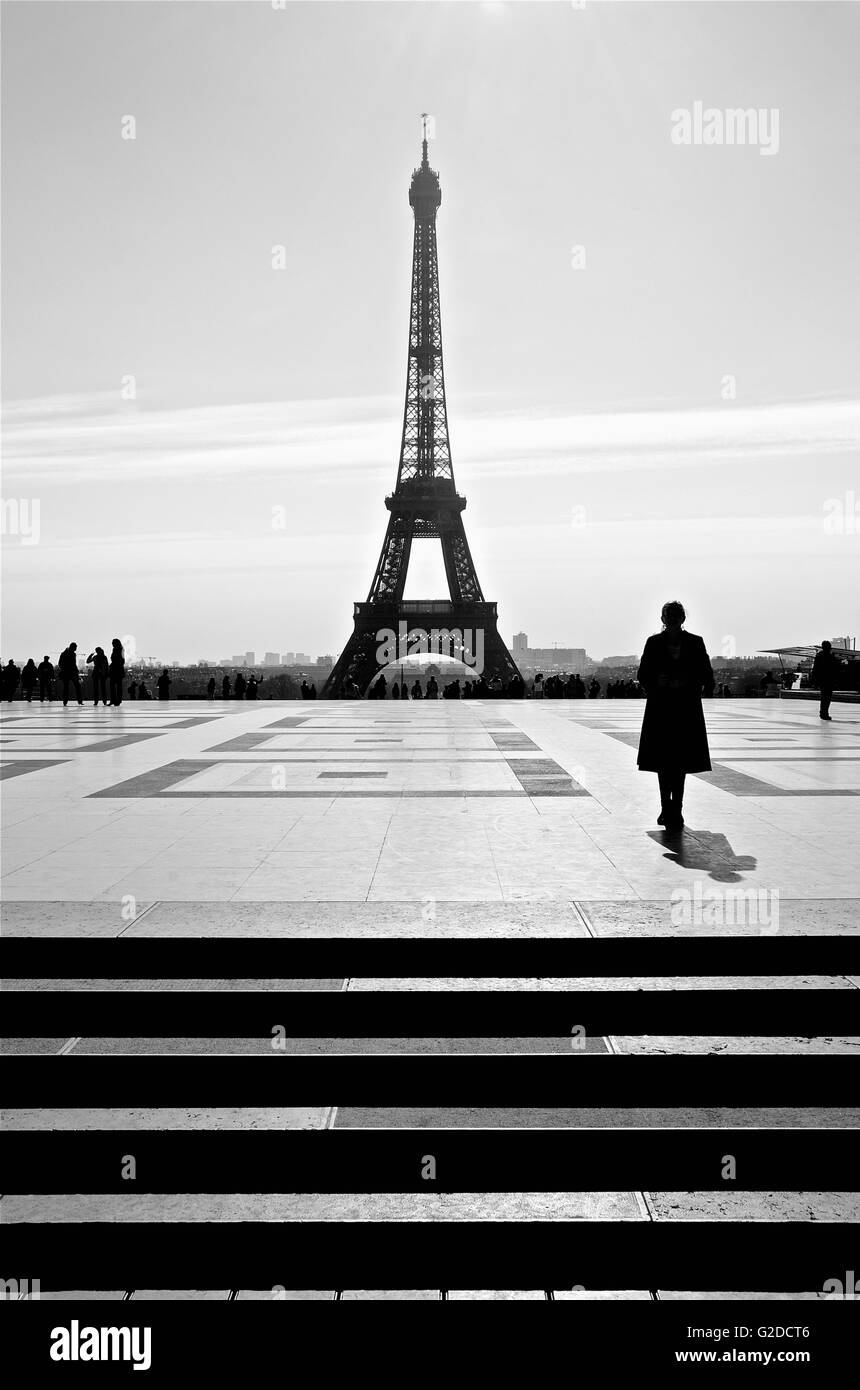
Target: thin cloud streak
90, 440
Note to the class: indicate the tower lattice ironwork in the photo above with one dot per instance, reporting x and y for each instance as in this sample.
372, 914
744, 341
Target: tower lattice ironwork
425, 503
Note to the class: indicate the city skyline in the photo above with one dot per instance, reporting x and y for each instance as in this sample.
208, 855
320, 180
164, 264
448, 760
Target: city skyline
299, 659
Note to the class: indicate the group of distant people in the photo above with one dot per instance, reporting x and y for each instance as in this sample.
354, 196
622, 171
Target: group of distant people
564, 687
108, 674
108, 677
675, 673
239, 689
623, 690
453, 690
137, 689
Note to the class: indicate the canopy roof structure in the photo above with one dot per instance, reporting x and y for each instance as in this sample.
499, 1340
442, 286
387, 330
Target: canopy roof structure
809, 651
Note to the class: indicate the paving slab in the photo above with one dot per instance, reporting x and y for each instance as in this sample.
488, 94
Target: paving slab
167, 1118
334, 1206
508, 1295
705, 1045
598, 983
754, 1206
430, 916
386, 1295
284, 1295
602, 1295
67, 918
100, 985
662, 917
82, 1295
727, 1295
323, 1047
482, 1117
179, 1295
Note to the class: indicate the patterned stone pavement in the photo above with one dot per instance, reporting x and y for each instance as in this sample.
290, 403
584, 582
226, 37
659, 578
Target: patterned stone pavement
447, 821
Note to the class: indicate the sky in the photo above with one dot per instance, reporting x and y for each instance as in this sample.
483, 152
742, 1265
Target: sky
651, 348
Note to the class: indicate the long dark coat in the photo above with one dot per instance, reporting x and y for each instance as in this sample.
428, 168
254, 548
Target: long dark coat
825, 671
673, 736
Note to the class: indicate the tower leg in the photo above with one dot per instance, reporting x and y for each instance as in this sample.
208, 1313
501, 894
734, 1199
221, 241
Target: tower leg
359, 659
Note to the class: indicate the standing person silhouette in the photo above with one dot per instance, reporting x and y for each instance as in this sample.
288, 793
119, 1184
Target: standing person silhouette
824, 669
116, 671
210, 688
11, 677
225, 688
46, 678
69, 675
675, 671
163, 685
29, 678
99, 663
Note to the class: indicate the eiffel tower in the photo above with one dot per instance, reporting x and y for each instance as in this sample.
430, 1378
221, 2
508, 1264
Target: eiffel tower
425, 503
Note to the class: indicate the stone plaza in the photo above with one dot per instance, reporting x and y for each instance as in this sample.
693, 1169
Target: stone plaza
349, 822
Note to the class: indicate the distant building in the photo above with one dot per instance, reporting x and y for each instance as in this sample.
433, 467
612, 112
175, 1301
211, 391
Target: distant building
289, 659
237, 660
302, 659
271, 659
226, 662
620, 660
250, 659
327, 660
555, 658
548, 658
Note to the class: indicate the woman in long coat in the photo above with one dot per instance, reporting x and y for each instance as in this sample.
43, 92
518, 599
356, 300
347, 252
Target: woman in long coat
116, 671
675, 672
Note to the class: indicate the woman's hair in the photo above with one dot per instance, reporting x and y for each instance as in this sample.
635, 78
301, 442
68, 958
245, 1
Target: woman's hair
115, 642
673, 612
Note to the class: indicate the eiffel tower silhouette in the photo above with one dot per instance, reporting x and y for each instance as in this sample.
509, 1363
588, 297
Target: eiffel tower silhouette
425, 503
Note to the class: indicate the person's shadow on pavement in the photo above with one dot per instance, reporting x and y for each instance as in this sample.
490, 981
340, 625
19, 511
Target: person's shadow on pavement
707, 850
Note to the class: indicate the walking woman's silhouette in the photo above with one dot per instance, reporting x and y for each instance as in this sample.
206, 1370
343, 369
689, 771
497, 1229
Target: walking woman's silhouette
675, 672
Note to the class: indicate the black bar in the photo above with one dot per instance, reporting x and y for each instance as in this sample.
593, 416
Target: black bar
219, 958
469, 1160
430, 1013
203, 1343
749, 1256
536, 1080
